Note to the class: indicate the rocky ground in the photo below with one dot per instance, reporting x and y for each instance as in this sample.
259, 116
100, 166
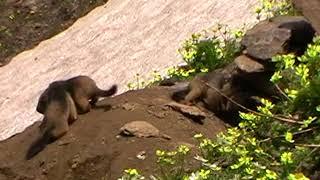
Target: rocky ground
110, 44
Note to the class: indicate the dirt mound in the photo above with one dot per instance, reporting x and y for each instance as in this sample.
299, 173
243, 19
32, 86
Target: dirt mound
93, 148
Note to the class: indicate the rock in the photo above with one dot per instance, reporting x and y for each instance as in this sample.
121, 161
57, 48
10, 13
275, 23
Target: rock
265, 40
310, 9
141, 129
302, 32
141, 155
248, 65
190, 110
283, 34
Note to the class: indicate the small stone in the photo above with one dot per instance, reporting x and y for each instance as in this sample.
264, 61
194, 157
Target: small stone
141, 155
141, 129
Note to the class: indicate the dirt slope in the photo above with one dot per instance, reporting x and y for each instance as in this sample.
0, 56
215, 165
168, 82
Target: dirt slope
111, 44
91, 149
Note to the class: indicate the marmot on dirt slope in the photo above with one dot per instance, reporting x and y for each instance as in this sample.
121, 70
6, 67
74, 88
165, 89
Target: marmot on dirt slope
60, 104
59, 112
82, 90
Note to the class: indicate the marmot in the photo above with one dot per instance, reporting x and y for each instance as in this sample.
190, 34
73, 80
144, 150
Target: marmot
198, 90
59, 111
83, 90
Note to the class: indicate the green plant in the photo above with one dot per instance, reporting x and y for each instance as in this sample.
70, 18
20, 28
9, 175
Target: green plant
140, 82
272, 8
202, 52
131, 174
211, 49
171, 163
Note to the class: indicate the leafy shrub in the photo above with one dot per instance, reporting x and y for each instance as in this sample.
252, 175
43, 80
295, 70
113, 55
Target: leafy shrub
211, 49
208, 50
272, 8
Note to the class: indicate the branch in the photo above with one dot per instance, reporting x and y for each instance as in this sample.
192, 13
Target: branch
294, 134
309, 145
281, 92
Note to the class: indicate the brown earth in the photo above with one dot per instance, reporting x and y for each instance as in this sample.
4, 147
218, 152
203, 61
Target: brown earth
25, 23
110, 44
92, 148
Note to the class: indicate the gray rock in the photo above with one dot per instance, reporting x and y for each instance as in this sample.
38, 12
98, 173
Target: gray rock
279, 35
265, 40
141, 129
302, 32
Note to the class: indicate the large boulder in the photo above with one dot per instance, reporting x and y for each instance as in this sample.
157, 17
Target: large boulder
279, 35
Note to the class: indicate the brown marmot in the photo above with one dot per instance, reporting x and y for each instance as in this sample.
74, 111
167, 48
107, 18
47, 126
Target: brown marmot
83, 90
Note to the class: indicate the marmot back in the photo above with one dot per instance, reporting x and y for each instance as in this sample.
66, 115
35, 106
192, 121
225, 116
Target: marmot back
83, 90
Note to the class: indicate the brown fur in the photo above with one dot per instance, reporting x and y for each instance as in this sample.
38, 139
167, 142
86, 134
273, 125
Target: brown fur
233, 87
83, 90
199, 91
59, 111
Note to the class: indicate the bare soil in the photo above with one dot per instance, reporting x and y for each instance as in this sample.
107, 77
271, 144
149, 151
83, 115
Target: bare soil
25, 23
93, 149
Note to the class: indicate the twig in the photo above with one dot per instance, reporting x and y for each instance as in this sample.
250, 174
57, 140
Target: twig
294, 134
252, 111
283, 94
309, 145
